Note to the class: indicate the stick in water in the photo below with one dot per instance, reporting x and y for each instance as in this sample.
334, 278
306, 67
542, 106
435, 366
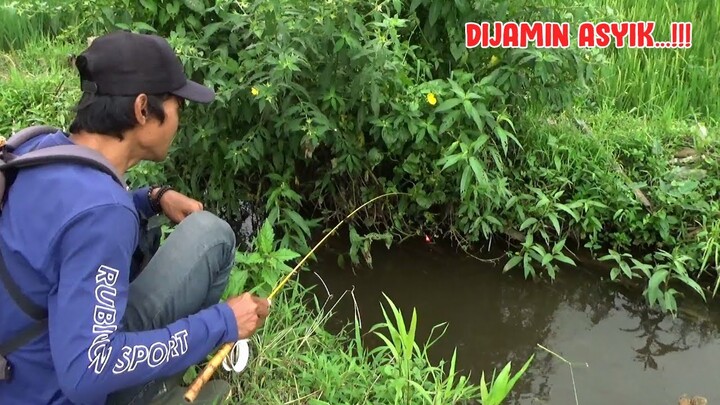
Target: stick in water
225, 349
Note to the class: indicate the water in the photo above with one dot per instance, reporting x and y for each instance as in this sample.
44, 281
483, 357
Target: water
633, 355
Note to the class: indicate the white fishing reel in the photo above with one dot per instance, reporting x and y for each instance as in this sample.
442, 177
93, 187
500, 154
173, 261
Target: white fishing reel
238, 357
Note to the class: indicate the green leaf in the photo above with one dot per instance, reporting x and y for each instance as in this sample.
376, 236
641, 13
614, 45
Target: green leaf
414, 5
197, 6
423, 201
520, 372
472, 113
527, 265
512, 262
236, 284
694, 285
528, 222
670, 303
477, 168
653, 288
562, 258
556, 224
493, 91
568, 210
284, 254
551, 270
398, 5
645, 268
248, 258
447, 122
450, 160
210, 29
141, 26
268, 277
150, 5
626, 269
539, 249
455, 87
547, 258
339, 44
448, 104
465, 180
298, 220
266, 237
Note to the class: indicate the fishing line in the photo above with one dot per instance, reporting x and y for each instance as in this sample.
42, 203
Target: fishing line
241, 349
572, 374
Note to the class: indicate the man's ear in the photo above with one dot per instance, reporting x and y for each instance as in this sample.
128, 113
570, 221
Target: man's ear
141, 109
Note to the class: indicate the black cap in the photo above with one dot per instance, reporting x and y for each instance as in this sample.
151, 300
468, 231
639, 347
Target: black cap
124, 63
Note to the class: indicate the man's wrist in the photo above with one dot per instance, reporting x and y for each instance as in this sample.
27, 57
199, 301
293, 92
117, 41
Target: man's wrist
233, 331
155, 193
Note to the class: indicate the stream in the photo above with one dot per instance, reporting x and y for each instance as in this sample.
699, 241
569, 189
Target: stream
622, 352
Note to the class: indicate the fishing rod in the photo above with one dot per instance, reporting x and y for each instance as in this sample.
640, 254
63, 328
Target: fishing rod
194, 389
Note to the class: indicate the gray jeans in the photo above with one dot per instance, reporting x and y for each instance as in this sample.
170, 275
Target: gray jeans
189, 272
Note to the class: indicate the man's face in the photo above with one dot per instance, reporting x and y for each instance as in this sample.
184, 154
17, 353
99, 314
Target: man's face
155, 137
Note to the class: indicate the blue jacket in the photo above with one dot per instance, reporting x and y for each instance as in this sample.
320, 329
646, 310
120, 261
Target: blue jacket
67, 233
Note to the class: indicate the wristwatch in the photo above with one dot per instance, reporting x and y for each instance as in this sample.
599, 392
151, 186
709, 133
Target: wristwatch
155, 202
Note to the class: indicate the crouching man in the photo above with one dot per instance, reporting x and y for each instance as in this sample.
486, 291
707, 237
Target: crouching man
75, 326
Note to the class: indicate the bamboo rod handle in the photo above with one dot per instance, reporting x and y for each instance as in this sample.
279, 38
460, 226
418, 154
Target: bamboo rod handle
207, 372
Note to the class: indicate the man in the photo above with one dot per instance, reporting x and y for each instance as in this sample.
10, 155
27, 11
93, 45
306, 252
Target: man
69, 233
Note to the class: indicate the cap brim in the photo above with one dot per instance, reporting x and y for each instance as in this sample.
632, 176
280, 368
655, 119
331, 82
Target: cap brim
196, 92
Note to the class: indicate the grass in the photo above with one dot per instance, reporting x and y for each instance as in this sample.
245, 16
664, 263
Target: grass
295, 360
678, 83
16, 31
37, 84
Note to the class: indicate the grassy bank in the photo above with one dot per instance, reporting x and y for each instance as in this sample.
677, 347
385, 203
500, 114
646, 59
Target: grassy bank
295, 360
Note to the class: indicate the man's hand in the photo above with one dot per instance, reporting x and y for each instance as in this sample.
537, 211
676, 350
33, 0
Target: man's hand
250, 313
177, 206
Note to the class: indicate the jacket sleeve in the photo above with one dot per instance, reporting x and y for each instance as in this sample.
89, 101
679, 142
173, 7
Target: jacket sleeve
142, 203
92, 355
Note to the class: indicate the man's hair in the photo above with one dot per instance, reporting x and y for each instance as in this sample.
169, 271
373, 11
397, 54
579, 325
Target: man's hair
112, 115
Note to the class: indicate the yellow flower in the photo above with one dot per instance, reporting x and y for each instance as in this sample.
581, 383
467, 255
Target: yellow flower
494, 60
431, 99
254, 91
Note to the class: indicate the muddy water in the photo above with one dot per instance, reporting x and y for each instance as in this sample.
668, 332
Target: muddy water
623, 353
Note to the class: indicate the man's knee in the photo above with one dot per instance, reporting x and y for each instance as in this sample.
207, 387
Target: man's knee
211, 229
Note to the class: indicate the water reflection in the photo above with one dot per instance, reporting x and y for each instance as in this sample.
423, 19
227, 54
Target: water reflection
649, 328
633, 355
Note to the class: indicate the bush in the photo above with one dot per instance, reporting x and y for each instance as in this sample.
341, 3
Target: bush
322, 106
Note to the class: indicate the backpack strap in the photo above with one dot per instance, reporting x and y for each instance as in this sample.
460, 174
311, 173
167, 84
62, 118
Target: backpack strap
62, 154
8, 146
33, 310
53, 154
26, 134
39, 314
